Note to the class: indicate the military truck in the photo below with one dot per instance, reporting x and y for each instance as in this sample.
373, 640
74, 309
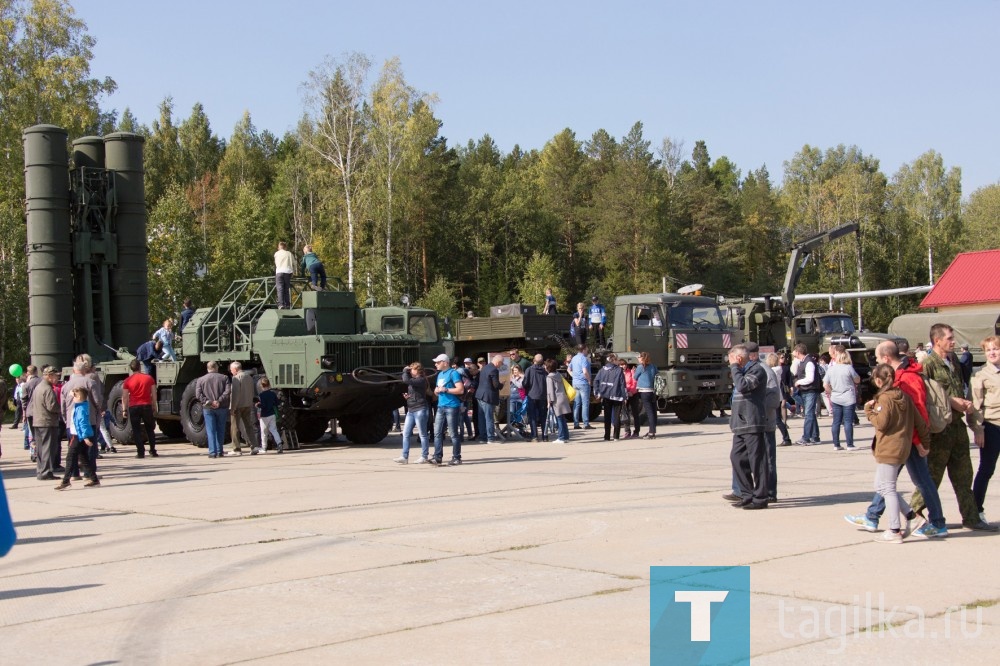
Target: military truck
687, 340
971, 326
87, 277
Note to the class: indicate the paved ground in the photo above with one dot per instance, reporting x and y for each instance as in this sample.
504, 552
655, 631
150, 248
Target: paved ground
528, 553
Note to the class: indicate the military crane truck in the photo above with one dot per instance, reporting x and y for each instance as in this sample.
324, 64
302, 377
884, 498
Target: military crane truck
88, 293
687, 340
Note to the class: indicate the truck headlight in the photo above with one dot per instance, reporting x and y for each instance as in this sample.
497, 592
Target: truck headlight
682, 358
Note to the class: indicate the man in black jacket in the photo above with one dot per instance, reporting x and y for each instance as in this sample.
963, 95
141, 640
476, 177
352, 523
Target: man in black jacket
488, 397
747, 420
534, 386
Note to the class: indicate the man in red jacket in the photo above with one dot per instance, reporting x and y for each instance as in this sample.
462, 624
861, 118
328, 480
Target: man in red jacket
910, 380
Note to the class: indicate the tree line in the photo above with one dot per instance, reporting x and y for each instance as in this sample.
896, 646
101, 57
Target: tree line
369, 179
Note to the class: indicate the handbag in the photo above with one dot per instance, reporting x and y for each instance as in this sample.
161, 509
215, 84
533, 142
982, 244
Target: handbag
570, 391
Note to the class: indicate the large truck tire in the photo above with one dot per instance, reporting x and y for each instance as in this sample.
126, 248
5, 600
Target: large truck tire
119, 426
171, 428
192, 420
310, 428
366, 428
693, 412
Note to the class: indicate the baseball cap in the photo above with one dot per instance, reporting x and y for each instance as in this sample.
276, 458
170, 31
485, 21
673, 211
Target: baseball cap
481, 360
468, 360
441, 357
752, 347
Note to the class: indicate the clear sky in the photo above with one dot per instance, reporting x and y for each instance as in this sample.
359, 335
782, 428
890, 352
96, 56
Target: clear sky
754, 80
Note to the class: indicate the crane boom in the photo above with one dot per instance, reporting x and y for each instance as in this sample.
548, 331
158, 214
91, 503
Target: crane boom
797, 262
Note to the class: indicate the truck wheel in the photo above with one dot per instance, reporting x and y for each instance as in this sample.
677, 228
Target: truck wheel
170, 428
310, 428
366, 428
693, 412
192, 420
119, 427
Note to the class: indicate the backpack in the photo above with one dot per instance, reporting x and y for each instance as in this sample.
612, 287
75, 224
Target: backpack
938, 405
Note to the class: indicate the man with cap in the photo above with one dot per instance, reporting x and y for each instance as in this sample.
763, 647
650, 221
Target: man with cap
449, 390
747, 421
597, 318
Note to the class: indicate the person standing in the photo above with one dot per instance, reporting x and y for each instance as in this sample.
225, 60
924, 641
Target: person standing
772, 400
139, 407
267, 406
45, 415
83, 377
550, 302
242, 394
312, 265
416, 411
81, 438
773, 363
448, 389
578, 326
186, 314
950, 447
516, 394
840, 384
633, 405
488, 397
555, 395
610, 386
579, 371
165, 334
986, 400
284, 266
645, 382
598, 317
212, 391
535, 390
747, 421
965, 361
809, 384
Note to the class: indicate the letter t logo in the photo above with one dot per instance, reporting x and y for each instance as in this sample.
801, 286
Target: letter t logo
701, 611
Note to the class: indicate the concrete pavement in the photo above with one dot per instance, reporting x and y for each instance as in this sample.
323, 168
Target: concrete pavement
527, 553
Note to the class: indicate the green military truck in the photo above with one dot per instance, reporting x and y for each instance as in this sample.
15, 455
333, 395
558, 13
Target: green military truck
971, 326
687, 340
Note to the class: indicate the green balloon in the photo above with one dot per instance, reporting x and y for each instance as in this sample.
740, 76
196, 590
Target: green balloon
15, 370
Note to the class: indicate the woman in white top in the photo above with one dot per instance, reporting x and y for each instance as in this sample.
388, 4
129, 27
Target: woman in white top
840, 384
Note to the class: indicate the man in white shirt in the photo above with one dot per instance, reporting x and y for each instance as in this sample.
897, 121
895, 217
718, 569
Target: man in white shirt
283, 268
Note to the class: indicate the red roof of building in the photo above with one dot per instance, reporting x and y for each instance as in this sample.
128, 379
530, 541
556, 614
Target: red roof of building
972, 279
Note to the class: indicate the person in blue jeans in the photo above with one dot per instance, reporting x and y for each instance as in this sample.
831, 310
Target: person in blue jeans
448, 389
809, 384
416, 411
212, 391
908, 378
579, 370
312, 264
840, 383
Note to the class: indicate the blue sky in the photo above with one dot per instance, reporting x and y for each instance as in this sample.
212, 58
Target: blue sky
755, 80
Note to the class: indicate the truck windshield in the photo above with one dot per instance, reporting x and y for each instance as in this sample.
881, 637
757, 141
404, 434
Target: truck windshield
835, 325
424, 327
686, 315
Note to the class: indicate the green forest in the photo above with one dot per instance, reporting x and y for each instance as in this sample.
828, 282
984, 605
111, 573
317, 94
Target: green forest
393, 207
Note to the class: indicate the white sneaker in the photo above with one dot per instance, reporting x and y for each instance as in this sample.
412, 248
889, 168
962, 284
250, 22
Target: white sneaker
905, 531
982, 516
890, 537
559, 441
401, 460
422, 461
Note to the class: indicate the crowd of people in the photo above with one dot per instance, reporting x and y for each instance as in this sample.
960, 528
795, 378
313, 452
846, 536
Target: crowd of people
922, 411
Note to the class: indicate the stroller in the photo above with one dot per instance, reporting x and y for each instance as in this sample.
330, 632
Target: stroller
515, 423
